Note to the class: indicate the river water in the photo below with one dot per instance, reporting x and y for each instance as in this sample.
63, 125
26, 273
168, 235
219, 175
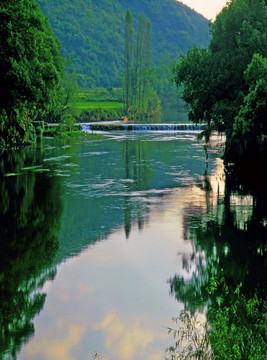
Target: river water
104, 240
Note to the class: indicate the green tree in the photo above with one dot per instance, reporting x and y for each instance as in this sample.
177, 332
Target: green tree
233, 329
128, 56
215, 86
31, 67
251, 119
140, 96
193, 72
66, 95
237, 34
165, 88
142, 61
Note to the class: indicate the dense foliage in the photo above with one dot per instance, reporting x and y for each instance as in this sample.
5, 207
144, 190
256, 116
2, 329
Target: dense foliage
92, 33
239, 328
225, 85
31, 66
234, 328
251, 118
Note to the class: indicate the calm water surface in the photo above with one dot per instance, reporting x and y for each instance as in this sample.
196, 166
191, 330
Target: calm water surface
105, 240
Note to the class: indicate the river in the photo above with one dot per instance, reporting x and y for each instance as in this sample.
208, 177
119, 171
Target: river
104, 240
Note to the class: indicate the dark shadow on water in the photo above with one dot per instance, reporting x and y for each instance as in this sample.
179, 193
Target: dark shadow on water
30, 212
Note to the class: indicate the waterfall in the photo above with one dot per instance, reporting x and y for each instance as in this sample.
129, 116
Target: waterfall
109, 126
164, 127
86, 127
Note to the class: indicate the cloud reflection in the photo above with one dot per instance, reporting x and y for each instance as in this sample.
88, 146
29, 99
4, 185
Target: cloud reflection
54, 349
114, 298
125, 341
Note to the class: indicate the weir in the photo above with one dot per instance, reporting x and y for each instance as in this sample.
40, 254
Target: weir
88, 127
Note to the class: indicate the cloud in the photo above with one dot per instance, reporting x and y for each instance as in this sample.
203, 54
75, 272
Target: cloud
54, 349
155, 357
124, 341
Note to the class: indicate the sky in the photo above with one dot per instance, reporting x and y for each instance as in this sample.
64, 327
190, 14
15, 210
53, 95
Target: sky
208, 8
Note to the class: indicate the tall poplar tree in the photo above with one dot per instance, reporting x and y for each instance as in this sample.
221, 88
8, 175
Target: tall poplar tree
147, 57
128, 58
142, 61
140, 96
140, 58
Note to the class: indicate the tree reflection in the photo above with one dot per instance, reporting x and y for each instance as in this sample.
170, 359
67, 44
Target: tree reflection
230, 236
138, 178
30, 211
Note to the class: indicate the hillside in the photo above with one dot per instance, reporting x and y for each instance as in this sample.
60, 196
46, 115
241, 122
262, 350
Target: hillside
92, 33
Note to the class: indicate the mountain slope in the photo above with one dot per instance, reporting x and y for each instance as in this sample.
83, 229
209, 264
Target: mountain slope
92, 33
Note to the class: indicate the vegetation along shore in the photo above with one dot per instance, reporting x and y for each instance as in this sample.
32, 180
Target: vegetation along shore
86, 61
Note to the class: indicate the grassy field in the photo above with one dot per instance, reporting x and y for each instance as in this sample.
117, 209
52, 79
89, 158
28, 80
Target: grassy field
92, 105
108, 100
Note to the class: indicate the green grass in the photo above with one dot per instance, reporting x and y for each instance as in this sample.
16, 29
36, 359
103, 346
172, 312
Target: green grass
97, 104
68, 134
58, 131
92, 105
100, 94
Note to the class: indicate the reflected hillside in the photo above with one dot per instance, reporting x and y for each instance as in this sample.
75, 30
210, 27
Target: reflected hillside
30, 212
229, 233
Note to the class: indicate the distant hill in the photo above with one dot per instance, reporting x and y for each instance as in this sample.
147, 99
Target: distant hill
92, 33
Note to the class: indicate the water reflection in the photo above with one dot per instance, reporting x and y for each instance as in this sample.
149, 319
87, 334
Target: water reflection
112, 296
137, 210
118, 180
230, 234
30, 212
137, 178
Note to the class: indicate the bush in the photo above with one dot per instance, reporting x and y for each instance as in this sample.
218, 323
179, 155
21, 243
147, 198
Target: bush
233, 328
97, 115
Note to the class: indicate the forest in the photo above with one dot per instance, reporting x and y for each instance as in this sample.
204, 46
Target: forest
44, 60
92, 34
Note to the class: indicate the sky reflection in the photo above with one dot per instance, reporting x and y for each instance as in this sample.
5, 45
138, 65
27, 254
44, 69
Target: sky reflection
123, 236
114, 298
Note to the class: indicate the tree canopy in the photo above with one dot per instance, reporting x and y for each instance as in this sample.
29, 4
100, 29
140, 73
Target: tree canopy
31, 66
140, 96
251, 118
225, 85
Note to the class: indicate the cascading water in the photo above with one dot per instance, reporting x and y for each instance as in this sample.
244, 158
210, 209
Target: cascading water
109, 126
86, 127
163, 127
